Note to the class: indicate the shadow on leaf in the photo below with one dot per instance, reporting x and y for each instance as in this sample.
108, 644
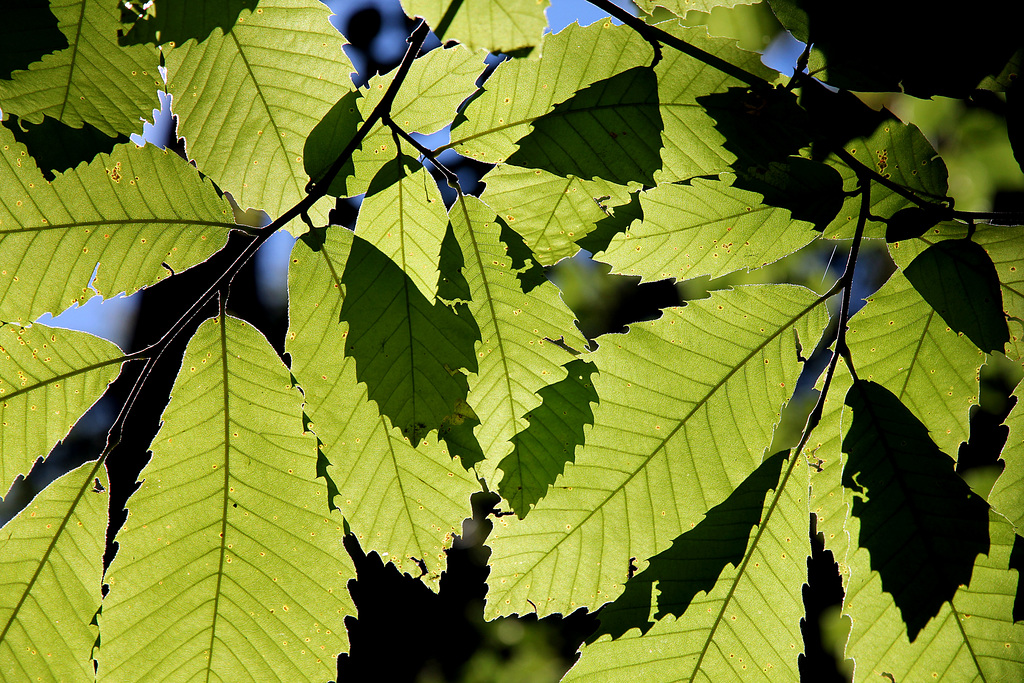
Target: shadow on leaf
695, 560
920, 521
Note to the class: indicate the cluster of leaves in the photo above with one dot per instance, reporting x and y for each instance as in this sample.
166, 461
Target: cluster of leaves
427, 358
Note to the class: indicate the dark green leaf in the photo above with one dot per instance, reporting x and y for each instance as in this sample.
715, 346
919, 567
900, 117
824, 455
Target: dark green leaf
910, 222
920, 522
410, 353
694, 561
610, 129
758, 127
27, 33
812, 191
392, 172
56, 146
327, 140
175, 21
958, 279
556, 429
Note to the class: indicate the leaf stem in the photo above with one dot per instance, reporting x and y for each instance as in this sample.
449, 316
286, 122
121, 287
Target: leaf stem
431, 155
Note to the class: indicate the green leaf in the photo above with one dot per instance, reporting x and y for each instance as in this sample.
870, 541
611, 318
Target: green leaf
681, 7
229, 565
515, 354
410, 353
177, 21
495, 25
246, 99
693, 145
521, 91
146, 207
435, 86
92, 80
56, 146
610, 130
705, 228
899, 152
406, 222
920, 521
29, 33
400, 501
758, 127
550, 212
909, 223
688, 406
812, 191
739, 622
1004, 247
49, 377
973, 638
556, 429
1007, 495
52, 563
958, 279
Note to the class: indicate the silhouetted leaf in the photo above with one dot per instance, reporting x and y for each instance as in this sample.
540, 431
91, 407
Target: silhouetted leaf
810, 190
758, 127
920, 521
556, 429
611, 129
910, 222
958, 279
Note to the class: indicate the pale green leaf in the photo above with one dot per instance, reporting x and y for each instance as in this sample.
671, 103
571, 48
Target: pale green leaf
726, 596
406, 222
901, 153
495, 25
687, 409
92, 80
400, 501
49, 377
521, 91
549, 212
973, 638
515, 354
121, 217
51, 561
230, 567
692, 144
247, 99
681, 7
1007, 495
436, 84
900, 342
704, 228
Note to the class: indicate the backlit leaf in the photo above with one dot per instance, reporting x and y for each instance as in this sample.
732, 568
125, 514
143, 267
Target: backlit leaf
49, 377
229, 565
108, 226
92, 80
495, 25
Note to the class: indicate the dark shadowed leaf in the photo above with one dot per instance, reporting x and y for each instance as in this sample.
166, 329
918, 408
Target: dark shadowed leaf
56, 146
958, 279
695, 560
620, 218
28, 31
556, 429
410, 352
759, 127
920, 521
327, 140
175, 21
910, 222
610, 129
812, 191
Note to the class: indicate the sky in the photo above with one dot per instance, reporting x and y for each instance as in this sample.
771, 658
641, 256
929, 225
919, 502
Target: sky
113, 319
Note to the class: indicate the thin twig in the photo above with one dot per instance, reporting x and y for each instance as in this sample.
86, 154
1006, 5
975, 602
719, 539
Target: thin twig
430, 155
